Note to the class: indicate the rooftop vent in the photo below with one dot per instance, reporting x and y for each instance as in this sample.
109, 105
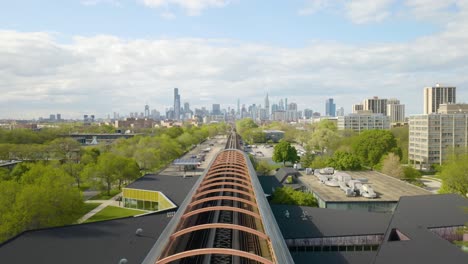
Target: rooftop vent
286, 213
138, 232
123, 261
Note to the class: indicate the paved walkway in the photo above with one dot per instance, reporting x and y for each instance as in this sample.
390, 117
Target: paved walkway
432, 184
104, 204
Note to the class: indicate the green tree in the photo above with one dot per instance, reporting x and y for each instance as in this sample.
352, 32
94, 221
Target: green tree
372, 145
391, 166
320, 161
288, 195
284, 152
5, 174
263, 167
344, 161
65, 149
402, 137
454, 175
411, 174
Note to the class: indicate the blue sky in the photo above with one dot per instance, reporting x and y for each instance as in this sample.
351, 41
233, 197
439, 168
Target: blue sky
103, 56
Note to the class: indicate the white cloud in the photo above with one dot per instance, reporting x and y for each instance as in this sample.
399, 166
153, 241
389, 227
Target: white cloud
365, 11
96, 2
314, 6
192, 7
103, 74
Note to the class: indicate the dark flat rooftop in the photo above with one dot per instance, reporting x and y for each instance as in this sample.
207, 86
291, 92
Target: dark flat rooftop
175, 188
99, 242
413, 216
362, 257
322, 222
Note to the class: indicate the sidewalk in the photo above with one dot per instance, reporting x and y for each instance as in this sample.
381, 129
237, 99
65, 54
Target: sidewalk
105, 203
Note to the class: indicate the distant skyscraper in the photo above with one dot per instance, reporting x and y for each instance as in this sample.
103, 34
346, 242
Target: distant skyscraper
238, 106
216, 110
434, 96
330, 107
281, 105
267, 105
340, 111
59, 117
147, 111
187, 107
376, 105
52, 117
308, 113
285, 103
176, 104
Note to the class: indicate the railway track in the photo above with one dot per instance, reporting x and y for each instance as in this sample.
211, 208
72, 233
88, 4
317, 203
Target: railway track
222, 224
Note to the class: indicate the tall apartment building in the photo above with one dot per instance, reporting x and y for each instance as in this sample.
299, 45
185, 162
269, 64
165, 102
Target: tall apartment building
330, 107
376, 105
395, 111
432, 136
364, 120
176, 104
434, 96
357, 108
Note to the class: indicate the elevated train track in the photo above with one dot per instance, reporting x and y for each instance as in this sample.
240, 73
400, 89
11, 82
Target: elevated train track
225, 219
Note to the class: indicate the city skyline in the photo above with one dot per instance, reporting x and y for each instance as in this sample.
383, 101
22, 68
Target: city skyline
129, 53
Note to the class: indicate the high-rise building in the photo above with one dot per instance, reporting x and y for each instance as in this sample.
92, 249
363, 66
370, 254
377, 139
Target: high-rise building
357, 108
434, 96
52, 117
147, 111
291, 113
308, 113
330, 107
216, 109
395, 111
238, 106
285, 103
267, 106
340, 111
376, 105
176, 104
59, 117
365, 120
433, 136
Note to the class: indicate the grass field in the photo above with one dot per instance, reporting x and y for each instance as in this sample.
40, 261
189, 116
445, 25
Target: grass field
113, 212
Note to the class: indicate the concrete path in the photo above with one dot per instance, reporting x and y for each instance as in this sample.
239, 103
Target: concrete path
104, 204
432, 185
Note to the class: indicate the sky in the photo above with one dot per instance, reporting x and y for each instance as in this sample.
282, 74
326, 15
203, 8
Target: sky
78, 57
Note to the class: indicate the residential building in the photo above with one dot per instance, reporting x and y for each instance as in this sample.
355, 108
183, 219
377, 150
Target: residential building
376, 105
364, 120
357, 107
330, 107
436, 95
433, 136
395, 111
452, 108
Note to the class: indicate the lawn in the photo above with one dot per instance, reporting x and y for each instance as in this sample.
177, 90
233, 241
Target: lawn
113, 212
104, 196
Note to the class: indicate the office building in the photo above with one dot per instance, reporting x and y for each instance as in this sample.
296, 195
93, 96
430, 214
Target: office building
308, 113
395, 111
147, 111
364, 120
291, 113
432, 137
267, 106
434, 96
216, 109
59, 117
376, 105
176, 104
330, 107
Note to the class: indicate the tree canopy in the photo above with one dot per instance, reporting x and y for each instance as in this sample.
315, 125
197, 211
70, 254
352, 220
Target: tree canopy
372, 145
454, 175
284, 152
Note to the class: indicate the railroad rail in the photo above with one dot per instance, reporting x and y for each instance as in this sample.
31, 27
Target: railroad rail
224, 219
